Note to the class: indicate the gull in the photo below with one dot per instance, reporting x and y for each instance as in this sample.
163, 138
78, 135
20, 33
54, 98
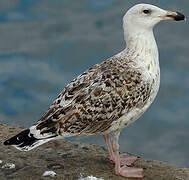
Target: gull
109, 96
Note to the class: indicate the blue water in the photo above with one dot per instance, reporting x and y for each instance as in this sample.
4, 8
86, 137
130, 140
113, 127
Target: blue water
44, 44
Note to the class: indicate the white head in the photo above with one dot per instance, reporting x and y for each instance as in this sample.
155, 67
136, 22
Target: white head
144, 17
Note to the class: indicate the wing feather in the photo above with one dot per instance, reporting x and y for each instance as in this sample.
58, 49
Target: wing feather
96, 98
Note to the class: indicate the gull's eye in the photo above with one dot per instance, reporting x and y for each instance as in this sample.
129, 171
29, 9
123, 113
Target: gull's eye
146, 11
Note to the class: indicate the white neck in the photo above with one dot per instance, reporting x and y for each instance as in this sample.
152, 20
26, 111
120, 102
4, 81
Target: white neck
142, 42
142, 47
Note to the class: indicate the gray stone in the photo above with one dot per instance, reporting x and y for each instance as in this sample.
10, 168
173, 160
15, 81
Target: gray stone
71, 160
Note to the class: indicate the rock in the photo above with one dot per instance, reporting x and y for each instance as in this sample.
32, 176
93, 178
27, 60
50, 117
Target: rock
49, 173
73, 161
8, 166
90, 178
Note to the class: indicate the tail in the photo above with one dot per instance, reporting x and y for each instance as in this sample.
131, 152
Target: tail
25, 141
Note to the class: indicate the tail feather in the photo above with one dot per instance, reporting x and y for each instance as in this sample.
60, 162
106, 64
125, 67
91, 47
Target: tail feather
25, 141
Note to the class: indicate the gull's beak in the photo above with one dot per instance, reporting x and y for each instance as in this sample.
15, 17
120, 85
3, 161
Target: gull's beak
170, 15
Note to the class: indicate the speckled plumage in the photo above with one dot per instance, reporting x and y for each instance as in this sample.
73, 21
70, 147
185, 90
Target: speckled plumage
110, 95
96, 100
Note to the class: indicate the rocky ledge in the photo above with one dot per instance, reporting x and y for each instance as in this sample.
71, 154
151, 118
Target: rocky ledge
66, 160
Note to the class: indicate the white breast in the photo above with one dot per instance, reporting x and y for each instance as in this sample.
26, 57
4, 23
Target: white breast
144, 54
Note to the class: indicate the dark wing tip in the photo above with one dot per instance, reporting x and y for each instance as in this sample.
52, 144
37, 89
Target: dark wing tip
19, 138
7, 142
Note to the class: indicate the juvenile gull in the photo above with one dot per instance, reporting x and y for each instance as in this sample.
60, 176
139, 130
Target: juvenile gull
110, 95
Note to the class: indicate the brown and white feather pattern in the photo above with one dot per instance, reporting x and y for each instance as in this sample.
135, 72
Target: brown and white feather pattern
97, 99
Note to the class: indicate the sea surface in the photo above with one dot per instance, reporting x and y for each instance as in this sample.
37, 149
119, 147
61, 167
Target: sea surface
44, 44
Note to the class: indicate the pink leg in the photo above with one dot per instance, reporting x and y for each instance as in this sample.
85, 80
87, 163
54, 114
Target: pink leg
107, 140
124, 171
125, 159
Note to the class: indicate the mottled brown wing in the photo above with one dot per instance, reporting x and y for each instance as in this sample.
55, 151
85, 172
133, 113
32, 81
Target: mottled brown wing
92, 101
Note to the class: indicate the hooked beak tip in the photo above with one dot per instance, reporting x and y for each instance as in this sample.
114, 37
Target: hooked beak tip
177, 16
